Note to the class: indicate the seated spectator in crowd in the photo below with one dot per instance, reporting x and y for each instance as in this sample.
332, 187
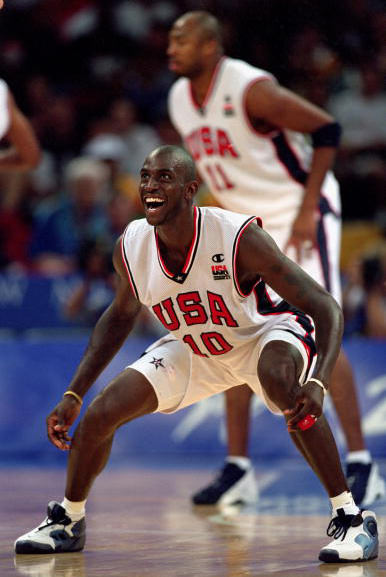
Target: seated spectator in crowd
361, 110
120, 211
63, 225
95, 290
111, 150
364, 294
374, 281
139, 138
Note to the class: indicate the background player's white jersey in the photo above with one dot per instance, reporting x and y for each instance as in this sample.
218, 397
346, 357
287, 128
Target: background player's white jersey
245, 170
4, 112
203, 304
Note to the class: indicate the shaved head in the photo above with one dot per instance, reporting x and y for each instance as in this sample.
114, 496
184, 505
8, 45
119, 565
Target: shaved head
205, 23
178, 157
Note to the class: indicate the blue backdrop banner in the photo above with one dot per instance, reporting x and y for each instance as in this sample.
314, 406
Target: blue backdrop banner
35, 373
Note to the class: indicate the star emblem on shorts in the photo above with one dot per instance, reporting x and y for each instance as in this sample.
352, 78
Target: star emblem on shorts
157, 363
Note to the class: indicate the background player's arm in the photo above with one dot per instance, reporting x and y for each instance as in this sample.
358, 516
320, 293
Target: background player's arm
108, 336
24, 151
269, 103
259, 256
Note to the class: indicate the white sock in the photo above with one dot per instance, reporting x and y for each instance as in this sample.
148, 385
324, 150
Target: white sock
344, 501
362, 457
75, 509
242, 462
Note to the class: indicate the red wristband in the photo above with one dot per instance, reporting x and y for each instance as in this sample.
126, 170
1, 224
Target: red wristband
307, 422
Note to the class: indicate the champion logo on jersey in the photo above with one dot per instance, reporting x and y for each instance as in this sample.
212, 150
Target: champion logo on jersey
228, 107
220, 272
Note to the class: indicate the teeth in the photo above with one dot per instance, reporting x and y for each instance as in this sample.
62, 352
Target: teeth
151, 199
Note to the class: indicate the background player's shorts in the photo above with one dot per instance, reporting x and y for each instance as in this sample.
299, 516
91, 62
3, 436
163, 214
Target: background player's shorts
180, 378
323, 264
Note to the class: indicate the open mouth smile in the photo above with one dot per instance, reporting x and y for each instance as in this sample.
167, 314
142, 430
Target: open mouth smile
153, 203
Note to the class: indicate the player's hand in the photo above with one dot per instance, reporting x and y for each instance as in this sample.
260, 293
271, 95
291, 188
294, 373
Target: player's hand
308, 401
60, 420
303, 237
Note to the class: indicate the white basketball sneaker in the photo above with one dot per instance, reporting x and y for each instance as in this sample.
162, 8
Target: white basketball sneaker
233, 485
355, 538
57, 534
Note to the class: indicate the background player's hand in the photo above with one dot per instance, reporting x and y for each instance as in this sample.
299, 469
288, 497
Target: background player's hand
308, 401
60, 420
303, 237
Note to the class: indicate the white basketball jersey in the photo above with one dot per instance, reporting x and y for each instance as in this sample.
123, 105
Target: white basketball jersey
203, 305
246, 171
4, 112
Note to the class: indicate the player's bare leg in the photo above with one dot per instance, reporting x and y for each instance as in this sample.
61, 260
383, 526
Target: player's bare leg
279, 368
238, 404
236, 482
362, 474
344, 396
127, 397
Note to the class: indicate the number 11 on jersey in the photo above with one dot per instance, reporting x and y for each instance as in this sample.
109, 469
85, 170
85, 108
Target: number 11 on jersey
218, 178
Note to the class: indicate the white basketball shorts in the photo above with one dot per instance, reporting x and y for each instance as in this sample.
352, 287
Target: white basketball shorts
180, 378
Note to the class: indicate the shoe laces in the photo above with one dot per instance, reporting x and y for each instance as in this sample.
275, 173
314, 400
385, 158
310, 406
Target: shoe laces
340, 524
55, 516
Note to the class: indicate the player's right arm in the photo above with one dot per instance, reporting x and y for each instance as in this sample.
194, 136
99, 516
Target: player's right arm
272, 106
109, 334
260, 258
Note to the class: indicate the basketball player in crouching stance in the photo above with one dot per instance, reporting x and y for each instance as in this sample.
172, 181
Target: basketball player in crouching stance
227, 326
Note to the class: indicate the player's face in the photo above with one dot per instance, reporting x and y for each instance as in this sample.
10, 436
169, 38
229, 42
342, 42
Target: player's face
161, 189
185, 49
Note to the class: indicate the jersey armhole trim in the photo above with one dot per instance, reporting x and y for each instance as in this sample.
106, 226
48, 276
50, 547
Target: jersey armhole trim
127, 266
236, 245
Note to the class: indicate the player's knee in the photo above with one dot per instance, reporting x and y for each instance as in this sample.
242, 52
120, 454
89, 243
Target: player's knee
98, 421
278, 380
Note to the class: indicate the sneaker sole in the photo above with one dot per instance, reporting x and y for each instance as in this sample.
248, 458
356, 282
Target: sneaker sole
28, 548
331, 556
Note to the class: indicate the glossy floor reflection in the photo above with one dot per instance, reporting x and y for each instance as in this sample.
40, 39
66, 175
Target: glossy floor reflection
141, 524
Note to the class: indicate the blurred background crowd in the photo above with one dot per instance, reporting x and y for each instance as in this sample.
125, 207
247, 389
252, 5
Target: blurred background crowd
92, 77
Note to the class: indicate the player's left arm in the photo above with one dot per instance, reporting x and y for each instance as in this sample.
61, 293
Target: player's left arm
269, 102
259, 256
24, 151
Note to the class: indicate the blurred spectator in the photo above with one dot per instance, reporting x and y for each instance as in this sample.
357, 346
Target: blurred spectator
364, 294
112, 151
139, 138
361, 110
64, 224
93, 57
374, 283
15, 223
121, 210
95, 290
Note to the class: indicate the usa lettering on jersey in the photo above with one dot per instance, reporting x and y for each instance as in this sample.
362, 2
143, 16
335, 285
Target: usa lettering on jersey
208, 141
189, 309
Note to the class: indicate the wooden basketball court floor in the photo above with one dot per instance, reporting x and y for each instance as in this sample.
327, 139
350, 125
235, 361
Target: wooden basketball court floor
141, 524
